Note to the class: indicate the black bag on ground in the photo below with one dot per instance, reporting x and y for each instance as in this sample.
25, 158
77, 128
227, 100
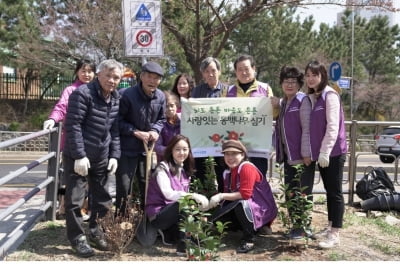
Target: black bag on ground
374, 183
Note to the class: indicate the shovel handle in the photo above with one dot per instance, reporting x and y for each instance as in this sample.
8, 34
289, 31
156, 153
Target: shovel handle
149, 151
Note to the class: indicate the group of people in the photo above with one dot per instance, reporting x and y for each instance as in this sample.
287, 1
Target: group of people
310, 129
107, 131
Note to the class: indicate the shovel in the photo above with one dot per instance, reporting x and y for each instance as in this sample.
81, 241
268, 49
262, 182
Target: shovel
146, 233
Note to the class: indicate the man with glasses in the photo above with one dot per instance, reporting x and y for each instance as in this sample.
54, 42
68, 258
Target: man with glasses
141, 117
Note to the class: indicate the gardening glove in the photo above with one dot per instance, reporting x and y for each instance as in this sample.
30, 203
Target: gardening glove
81, 166
112, 166
48, 124
201, 200
215, 200
323, 160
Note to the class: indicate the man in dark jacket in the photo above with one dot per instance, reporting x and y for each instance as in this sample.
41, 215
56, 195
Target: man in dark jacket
211, 87
91, 152
141, 117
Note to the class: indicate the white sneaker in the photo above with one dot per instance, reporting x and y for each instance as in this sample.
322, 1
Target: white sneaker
323, 233
330, 242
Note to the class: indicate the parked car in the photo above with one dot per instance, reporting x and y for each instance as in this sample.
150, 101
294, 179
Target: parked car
388, 142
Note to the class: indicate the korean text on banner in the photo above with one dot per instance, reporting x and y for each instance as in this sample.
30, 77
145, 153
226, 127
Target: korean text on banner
209, 121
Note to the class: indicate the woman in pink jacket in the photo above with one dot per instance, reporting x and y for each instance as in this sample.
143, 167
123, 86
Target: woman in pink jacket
84, 73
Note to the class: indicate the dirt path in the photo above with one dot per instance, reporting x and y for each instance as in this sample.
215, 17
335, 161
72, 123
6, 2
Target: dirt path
359, 242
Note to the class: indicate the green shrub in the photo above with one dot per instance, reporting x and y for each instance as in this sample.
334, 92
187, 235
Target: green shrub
14, 126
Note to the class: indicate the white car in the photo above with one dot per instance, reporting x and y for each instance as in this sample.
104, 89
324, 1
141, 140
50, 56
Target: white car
388, 142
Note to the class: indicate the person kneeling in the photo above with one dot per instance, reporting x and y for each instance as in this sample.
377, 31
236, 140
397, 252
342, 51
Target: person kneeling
247, 201
169, 182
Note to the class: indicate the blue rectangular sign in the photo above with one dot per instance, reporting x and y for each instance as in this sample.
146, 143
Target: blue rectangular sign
344, 83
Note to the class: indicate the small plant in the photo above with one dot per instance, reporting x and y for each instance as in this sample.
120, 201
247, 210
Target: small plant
209, 187
297, 206
120, 228
203, 237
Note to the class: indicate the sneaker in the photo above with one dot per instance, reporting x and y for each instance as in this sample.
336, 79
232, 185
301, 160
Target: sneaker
181, 248
164, 238
265, 230
245, 247
323, 233
330, 242
299, 233
98, 241
296, 234
82, 248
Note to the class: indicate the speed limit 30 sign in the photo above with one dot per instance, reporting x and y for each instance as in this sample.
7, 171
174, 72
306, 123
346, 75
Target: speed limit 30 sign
144, 38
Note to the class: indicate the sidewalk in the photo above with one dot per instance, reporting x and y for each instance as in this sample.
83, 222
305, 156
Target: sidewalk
12, 226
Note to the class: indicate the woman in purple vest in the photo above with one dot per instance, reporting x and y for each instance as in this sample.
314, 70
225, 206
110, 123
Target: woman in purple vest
292, 143
172, 124
328, 146
169, 182
247, 201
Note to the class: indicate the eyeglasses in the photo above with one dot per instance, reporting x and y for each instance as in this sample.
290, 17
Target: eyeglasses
287, 82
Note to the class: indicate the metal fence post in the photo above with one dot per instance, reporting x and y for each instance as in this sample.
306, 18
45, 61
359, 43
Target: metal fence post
52, 171
352, 161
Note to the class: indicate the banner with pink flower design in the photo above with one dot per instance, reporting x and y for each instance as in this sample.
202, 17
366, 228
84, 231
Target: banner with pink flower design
207, 122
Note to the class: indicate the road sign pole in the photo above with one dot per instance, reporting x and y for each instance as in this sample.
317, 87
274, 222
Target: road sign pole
352, 65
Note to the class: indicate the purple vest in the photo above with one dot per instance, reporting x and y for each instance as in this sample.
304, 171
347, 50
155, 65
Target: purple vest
318, 127
167, 133
288, 125
262, 90
261, 203
155, 198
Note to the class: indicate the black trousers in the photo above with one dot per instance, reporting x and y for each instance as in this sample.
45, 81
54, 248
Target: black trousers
75, 193
219, 169
168, 220
261, 164
332, 177
130, 169
238, 221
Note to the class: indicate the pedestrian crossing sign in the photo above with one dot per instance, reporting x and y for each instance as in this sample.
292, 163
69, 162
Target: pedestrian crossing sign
143, 14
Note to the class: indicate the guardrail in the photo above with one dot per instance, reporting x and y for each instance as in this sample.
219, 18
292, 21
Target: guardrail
48, 210
356, 142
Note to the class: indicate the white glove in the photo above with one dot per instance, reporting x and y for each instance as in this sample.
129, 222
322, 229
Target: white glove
201, 200
112, 166
323, 160
81, 166
215, 200
49, 124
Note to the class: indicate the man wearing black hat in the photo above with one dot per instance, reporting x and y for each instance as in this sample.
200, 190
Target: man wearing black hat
141, 117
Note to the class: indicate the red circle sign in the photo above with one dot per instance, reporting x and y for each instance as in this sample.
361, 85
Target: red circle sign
144, 38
